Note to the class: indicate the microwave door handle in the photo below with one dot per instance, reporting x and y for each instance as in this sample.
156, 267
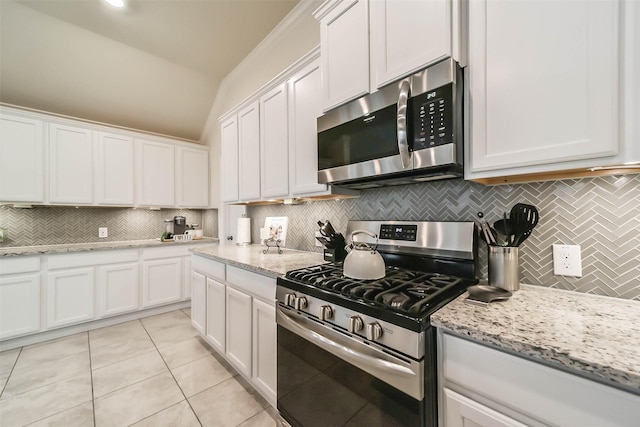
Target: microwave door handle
403, 144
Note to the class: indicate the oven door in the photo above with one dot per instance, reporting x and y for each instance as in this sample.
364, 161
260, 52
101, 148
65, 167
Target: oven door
329, 378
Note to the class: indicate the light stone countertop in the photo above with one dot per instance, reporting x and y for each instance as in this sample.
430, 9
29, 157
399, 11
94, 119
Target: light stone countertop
95, 246
597, 336
253, 259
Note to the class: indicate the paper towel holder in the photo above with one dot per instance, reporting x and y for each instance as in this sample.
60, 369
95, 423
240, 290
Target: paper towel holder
244, 231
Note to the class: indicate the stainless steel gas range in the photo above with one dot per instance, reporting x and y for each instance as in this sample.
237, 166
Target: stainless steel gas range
362, 352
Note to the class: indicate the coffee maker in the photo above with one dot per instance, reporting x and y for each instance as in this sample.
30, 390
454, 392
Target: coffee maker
179, 225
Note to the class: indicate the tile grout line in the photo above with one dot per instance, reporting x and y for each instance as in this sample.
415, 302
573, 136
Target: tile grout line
13, 367
172, 376
93, 399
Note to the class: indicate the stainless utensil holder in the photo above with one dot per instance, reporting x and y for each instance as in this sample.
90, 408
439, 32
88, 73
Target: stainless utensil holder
504, 267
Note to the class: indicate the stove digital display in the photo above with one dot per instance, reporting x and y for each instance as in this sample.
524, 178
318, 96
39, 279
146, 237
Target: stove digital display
398, 232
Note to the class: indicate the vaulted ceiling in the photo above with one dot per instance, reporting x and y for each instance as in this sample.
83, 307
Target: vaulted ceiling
154, 65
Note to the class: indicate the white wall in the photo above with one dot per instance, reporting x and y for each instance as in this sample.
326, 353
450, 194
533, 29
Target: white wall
295, 36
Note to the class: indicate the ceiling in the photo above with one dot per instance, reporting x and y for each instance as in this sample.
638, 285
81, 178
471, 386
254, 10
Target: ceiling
154, 65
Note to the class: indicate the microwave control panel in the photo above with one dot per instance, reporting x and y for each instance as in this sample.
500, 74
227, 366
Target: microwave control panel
433, 118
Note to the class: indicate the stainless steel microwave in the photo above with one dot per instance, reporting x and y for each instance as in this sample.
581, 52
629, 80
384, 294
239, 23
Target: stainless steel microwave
409, 131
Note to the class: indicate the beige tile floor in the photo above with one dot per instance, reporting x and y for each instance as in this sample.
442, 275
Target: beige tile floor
155, 372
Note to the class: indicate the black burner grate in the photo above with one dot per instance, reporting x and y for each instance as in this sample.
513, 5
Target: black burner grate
410, 292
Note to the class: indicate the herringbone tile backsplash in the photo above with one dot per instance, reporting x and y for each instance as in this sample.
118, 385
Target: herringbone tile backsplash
63, 225
602, 215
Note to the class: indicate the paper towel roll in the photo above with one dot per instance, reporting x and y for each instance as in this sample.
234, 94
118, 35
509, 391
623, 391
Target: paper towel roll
244, 231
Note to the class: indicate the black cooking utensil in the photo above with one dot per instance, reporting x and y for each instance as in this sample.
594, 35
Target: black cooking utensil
524, 219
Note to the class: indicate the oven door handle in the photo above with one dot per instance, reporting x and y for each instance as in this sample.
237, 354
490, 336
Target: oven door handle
378, 363
403, 143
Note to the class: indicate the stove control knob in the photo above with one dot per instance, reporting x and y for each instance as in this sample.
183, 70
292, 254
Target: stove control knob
374, 331
289, 299
300, 302
326, 312
355, 324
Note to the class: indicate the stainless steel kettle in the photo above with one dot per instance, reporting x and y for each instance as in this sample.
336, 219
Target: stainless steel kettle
362, 261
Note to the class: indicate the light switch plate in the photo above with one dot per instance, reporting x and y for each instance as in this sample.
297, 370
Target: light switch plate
102, 232
318, 244
567, 260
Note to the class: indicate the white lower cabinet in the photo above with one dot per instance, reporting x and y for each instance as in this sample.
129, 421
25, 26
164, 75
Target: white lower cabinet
118, 288
264, 347
463, 412
19, 305
484, 386
70, 295
216, 315
238, 336
198, 301
240, 320
161, 281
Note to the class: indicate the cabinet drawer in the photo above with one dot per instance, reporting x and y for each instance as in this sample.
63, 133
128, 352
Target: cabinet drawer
172, 250
538, 391
16, 265
91, 258
259, 286
208, 267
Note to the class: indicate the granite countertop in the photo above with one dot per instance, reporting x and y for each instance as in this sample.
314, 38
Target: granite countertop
594, 335
253, 259
95, 246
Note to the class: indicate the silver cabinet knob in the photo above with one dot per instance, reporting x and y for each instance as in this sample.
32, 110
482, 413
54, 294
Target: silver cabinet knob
300, 302
374, 331
289, 299
355, 324
326, 312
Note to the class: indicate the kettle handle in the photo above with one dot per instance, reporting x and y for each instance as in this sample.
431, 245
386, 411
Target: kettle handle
368, 233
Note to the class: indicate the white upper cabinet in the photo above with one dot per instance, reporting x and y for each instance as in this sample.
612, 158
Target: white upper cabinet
70, 164
155, 166
406, 36
229, 160
344, 51
115, 170
21, 159
369, 44
304, 109
274, 144
249, 152
542, 97
192, 176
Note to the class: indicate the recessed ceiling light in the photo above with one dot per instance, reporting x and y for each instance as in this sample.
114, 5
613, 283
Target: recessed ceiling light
116, 3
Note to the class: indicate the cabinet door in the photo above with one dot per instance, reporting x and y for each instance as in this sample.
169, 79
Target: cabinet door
249, 152
304, 110
229, 160
264, 348
274, 144
216, 315
406, 36
21, 159
118, 288
114, 170
161, 281
461, 411
155, 169
198, 301
70, 164
19, 305
238, 331
344, 47
542, 97
70, 297
192, 177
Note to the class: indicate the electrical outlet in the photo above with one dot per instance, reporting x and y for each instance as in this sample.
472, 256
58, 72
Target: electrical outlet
318, 244
102, 232
567, 260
